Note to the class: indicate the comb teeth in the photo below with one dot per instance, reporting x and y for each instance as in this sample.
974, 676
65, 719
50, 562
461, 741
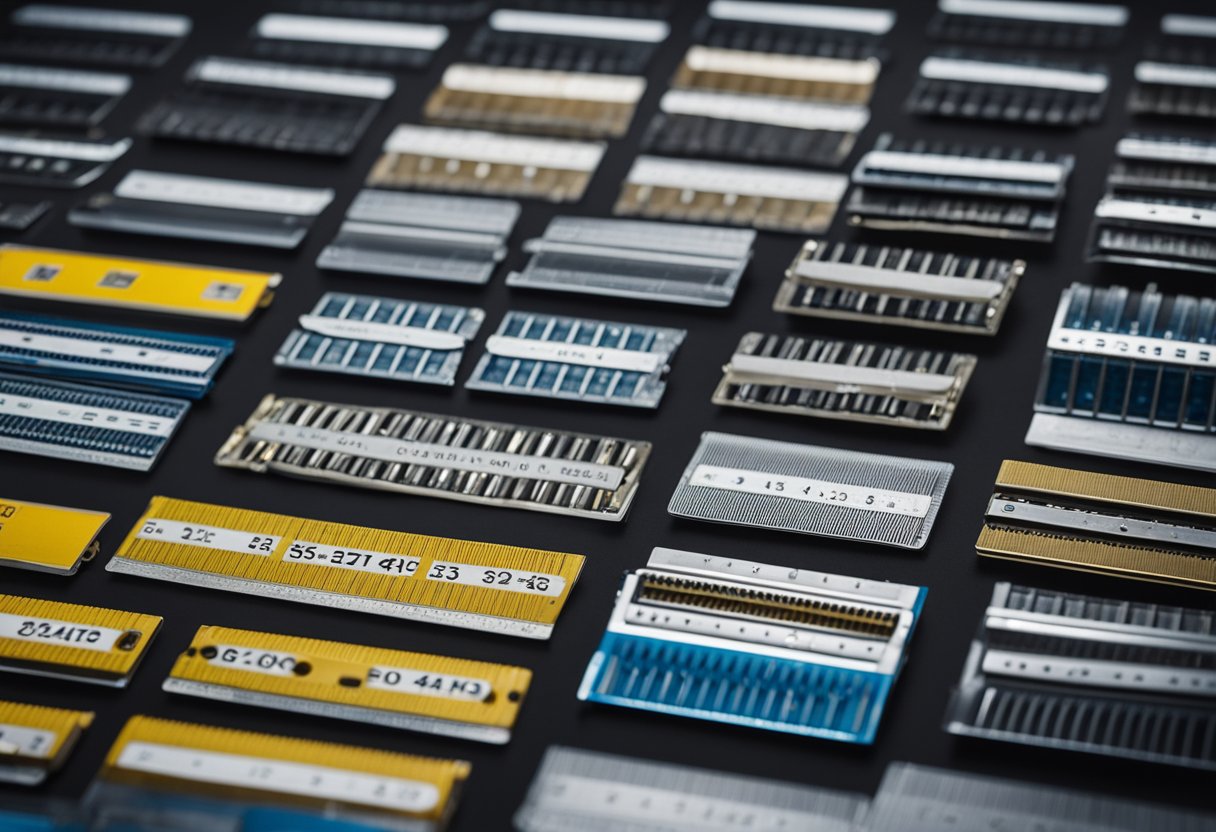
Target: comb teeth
86, 424
980, 86
345, 41
1100, 523
796, 29
381, 338
58, 99
899, 287
1176, 79
749, 644
577, 358
782, 486
97, 37
850, 380
1092, 674
462, 459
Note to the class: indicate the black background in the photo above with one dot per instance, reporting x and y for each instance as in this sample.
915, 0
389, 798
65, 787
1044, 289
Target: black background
989, 427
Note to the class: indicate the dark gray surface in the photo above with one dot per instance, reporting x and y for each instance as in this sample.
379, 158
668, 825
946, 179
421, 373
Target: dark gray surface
989, 427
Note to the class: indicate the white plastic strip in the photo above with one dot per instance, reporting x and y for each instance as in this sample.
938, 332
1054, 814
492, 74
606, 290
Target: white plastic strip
1082, 14
64, 148
494, 148
541, 83
223, 193
86, 415
808, 490
874, 279
757, 109
965, 166
428, 683
288, 77
101, 350
51, 631
1178, 75
402, 336
1013, 75
178, 533
67, 80
840, 18
403, 451
579, 26
842, 377
352, 31
530, 349
1155, 150
743, 180
242, 771
1135, 211
1189, 25
102, 20
22, 741
782, 67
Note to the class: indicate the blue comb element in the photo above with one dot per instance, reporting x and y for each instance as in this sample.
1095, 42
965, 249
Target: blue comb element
1132, 375
577, 358
749, 644
379, 337
86, 424
170, 363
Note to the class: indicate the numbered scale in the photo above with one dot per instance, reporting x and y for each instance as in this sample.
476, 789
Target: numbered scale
761, 483
391, 688
482, 586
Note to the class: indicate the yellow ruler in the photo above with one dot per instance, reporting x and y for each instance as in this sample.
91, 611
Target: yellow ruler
36, 740
394, 688
482, 586
176, 288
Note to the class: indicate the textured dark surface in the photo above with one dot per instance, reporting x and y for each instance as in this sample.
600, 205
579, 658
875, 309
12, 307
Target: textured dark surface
989, 427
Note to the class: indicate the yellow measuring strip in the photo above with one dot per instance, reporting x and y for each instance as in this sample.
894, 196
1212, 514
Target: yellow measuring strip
484, 586
160, 754
178, 288
35, 740
47, 538
87, 644
394, 688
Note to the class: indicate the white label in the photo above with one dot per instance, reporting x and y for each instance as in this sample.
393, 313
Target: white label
1148, 72
348, 30
426, 683
744, 180
492, 577
79, 414
494, 148
1085, 14
841, 377
541, 83
70, 80
808, 490
144, 357
103, 20
1191, 152
344, 557
1132, 347
782, 112
288, 77
867, 21
208, 537
1128, 209
402, 336
223, 193
579, 26
784, 67
265, 774
1014, 75
607, 358
251, 659
59, 633
1188, 25
875, 279
65, 149
444, 456
21, 741
964, 166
